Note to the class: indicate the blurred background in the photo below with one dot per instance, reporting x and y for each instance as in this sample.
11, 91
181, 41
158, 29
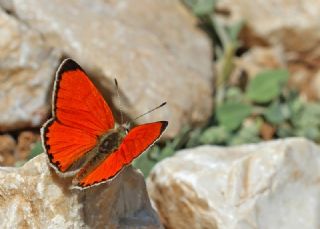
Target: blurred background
233, 72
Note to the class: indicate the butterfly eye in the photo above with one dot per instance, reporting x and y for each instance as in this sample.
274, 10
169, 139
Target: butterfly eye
126, 128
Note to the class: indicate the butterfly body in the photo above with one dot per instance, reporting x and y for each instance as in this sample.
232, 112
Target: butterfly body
108, 143
111, 140
82, 138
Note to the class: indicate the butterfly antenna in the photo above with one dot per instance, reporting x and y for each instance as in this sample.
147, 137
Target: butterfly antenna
119, 100
161, 105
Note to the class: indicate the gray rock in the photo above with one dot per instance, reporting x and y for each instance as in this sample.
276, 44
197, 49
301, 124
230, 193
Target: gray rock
153, 48
267, 185
34, 196
27, 67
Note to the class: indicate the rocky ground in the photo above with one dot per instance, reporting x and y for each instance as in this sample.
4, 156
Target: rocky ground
34, 196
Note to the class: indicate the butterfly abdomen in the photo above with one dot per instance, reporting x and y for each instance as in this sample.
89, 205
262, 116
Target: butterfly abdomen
108, 143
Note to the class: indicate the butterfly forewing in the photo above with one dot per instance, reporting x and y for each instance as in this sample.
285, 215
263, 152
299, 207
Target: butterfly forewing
80, 116
138, 140
78, 103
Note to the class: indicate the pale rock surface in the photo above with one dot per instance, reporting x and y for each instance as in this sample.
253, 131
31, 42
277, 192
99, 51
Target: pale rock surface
260, 186
34, 196
153, 48
292, 24
27, 67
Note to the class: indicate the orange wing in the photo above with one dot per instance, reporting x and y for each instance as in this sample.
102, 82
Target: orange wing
138, 140
80, 115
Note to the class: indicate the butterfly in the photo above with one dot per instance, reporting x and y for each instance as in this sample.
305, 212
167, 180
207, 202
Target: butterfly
82, 139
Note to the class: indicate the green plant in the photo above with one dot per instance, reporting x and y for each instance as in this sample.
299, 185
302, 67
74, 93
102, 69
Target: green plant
35, 151
231, 114
267, 85
201, 7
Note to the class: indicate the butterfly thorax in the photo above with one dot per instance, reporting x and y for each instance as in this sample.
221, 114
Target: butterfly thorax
111, 140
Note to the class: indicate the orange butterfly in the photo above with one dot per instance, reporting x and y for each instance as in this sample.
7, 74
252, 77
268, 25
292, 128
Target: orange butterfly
82, 139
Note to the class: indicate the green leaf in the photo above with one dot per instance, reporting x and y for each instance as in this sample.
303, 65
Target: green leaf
312, 133
249, 133
167, 151
234, 31
181, 139
194, 138
36, 150
307, 122
231, 114
20, 163
296, 107
309, 116
214, 135
277, 113
267, 85
144, 163
284, 130
234, 94
203, 7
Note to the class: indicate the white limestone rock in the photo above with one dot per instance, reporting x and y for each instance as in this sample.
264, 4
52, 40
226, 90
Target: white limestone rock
267, 185
154, 49
34, 196
27, 66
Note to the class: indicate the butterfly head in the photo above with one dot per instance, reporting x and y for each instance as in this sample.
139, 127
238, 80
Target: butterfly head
126, 127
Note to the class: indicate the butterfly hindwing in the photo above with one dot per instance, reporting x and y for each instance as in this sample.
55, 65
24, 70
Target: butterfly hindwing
80, 116
138, 140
